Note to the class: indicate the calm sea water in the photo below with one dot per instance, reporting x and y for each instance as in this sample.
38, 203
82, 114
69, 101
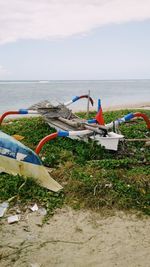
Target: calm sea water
22, 94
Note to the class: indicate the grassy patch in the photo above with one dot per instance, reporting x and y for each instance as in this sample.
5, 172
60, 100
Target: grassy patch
92, 177
24, 193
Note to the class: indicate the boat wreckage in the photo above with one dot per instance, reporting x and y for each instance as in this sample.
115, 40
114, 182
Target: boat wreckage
15, 158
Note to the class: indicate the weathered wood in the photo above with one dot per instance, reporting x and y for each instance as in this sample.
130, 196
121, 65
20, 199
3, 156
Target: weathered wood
96, 130
71, 123
138, 140
88, 105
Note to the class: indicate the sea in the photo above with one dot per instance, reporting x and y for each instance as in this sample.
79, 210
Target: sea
22, 94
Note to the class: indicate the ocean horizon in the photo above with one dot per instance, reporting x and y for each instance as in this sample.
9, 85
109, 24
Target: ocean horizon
17, 94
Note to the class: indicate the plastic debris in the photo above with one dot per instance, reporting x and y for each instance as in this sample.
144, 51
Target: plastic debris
13, 219
108, 185
3, 208
18, 211
42, 211
18, 137
34, 208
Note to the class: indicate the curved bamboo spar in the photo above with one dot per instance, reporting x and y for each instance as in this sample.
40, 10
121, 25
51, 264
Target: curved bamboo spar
144, 116
87, 96
17, 112
59, 134
76, 98
5, 114
45, 140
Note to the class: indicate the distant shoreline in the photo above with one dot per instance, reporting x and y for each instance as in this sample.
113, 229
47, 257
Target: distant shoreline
71, 80
141, 105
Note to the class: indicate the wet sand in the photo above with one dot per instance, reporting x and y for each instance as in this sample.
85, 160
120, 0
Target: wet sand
76, 238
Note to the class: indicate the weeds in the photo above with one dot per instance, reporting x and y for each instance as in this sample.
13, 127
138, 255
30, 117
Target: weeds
92, 177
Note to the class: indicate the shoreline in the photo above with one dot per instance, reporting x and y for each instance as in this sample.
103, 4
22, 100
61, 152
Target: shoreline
142, 105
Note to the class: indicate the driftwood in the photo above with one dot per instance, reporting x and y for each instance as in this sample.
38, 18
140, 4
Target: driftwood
138, 140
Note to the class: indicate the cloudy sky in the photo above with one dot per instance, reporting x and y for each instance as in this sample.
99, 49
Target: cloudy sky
74, 39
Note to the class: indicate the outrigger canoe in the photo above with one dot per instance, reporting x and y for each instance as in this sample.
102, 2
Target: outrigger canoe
15, 158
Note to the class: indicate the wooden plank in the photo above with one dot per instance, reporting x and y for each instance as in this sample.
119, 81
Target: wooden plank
138, 140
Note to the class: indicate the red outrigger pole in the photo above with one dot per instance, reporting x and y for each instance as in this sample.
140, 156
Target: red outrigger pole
144, 116
7, 114
45, 140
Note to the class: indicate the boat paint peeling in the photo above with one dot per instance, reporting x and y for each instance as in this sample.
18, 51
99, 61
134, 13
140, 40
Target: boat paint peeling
16, 158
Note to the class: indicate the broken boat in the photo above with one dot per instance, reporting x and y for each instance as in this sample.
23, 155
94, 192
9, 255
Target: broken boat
15, 158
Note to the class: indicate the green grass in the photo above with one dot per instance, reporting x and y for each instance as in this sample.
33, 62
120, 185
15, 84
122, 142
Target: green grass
92, 177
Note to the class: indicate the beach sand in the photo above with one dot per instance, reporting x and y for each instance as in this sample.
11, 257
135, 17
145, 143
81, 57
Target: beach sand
76, 239
143, 105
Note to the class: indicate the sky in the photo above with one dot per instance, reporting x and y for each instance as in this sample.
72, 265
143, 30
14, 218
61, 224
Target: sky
74, 39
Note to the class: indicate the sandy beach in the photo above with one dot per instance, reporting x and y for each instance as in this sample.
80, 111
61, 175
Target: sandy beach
142, 105
76, 239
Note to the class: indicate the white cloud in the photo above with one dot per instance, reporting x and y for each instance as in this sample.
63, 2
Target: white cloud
44, 19
3, 72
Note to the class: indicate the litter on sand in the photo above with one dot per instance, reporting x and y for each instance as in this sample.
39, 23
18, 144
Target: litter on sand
3, 208
34, 207
13, 219
42, 211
